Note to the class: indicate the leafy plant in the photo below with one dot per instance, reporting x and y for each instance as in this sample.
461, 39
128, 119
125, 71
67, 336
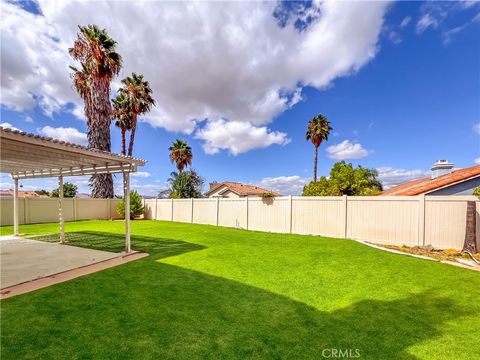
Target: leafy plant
476, 191
267, 195
185, 185
136, 206
344, 179
69, 191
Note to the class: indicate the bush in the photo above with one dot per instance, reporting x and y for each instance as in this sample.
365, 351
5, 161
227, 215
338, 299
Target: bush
136, 206
476, 191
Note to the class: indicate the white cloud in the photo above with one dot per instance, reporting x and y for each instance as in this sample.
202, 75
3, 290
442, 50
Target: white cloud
390, 176
347, 150
477, 160
141, 174
426, 21
233, 60
476, 128
285, 185
9, 126
405, 21
69, 134
28, 119
238, 137
394, 37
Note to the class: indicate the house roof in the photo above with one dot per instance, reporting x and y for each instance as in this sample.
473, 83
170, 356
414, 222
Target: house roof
427, 184
240, 189
27, 155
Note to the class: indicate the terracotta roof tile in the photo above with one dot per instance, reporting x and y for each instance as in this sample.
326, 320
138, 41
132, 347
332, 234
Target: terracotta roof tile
426, 185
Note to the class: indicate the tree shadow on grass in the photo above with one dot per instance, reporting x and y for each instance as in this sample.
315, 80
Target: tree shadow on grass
148, 309
159, 248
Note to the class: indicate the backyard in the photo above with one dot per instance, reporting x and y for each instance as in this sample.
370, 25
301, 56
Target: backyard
213, 292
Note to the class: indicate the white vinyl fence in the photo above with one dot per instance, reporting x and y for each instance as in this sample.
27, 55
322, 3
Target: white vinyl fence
45, 210
397, 220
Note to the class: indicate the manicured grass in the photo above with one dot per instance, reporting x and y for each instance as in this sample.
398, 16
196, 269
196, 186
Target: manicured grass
208, 292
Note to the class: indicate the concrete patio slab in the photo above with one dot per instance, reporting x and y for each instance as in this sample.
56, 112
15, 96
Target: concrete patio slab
25, 260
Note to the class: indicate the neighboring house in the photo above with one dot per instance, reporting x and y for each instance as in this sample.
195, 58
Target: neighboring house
442, 181
21, 194
229, 189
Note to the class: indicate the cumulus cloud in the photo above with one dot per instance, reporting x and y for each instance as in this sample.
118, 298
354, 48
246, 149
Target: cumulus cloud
347, 150
234, 61
238, 137
285, 185
477, 160
7, 125
390, 176
68, 134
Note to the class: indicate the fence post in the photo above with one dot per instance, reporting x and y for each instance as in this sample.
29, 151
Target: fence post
290, 211
246, 212
171, 208
217, 212
191, 210
26, 204
156, 207
421, 220
345, 215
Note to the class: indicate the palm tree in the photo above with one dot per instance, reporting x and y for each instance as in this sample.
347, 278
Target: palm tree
180, 154
185, 185
318, 130
139, 94
95, 51
123, 117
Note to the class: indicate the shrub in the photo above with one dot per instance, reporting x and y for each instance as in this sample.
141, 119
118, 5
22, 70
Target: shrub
136, 206
476, 191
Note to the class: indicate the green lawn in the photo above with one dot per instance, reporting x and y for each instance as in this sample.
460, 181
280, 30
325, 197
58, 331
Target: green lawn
211, 292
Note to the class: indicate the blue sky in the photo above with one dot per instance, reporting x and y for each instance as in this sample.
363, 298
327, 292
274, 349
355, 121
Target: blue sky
400, 83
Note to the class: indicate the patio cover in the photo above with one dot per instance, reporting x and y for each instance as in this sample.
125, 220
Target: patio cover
29, 156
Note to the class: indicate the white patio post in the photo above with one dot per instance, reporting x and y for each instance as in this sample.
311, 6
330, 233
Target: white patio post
60, 207
15, 208
126, 197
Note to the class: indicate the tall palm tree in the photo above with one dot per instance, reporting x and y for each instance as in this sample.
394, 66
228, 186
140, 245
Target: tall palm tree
95, 51
123, 117
318, 130
180, 154
139, 94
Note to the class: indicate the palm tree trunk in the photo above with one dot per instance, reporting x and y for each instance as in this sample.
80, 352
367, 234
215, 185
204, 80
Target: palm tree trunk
315, 165
132, 137
124, 145
99, 116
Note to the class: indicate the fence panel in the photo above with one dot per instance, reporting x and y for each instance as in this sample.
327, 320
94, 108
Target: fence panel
318, 216
232, 213
269, 215
182, 210
387, 220
205, 211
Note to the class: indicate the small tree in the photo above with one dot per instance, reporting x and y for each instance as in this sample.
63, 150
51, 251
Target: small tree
42, 192
136, 206
476, 191
69, 191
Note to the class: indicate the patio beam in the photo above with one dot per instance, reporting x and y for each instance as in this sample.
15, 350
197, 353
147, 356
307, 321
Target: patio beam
60, 208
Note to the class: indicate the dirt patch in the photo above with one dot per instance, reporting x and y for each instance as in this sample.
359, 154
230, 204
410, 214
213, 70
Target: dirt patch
447, 254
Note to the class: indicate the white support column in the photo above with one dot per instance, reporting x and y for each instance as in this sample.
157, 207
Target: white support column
15, 209
60, 209
126, 197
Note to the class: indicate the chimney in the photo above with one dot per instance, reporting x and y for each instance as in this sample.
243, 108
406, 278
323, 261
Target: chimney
213, 184
441, 167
